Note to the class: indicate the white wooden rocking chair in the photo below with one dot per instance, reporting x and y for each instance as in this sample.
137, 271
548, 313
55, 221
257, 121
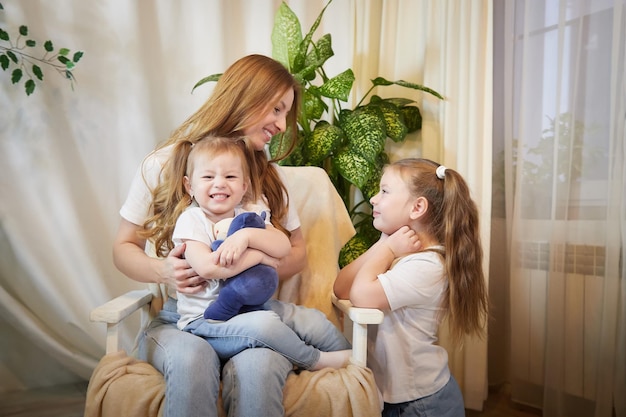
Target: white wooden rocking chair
326, 226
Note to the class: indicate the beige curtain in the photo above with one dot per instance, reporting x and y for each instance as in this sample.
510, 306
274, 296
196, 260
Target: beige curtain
561, 148
68, 156
446, 45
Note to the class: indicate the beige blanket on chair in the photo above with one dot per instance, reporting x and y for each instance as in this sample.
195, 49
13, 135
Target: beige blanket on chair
124, 386
346, 392
326, 227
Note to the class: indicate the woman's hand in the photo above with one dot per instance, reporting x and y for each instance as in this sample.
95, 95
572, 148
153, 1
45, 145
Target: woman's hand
178, 274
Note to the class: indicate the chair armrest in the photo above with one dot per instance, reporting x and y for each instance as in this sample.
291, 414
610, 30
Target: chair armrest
358, 314
114, 311
117, 309
360, 317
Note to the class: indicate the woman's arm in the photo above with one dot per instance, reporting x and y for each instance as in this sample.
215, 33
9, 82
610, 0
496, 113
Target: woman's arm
130, 258
295, 261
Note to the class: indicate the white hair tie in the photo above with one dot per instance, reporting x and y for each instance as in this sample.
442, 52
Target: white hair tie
441, 172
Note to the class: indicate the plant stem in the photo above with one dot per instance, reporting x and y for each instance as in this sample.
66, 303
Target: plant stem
30, 58
366, 94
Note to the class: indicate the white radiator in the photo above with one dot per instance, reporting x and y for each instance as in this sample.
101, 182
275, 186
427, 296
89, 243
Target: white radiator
571, 301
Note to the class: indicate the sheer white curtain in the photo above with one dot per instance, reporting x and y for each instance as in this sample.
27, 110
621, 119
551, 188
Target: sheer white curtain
67, 157
446, 45
465, 70
562, 143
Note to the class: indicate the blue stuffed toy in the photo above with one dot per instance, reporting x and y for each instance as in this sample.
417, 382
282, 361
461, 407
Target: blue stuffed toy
249, 290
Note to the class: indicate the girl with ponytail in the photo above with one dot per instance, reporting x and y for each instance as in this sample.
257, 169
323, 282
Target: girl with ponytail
426, 266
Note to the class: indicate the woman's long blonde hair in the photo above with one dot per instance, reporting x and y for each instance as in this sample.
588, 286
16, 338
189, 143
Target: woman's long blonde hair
452, 218
242, 96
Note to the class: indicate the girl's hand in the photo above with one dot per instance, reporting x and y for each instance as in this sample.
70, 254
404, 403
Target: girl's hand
403, 242
259, 257
269, 260
179, 274
231, 248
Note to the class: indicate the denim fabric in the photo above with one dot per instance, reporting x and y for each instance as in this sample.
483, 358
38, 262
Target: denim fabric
252, 330
447, 402
295, 332
189, 364
311, 325
253, 383
253, 380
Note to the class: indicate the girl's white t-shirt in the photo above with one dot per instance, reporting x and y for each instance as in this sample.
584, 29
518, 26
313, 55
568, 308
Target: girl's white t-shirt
193, 224
402, 351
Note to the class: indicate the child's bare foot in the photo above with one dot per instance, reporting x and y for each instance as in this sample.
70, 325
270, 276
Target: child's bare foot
336, 360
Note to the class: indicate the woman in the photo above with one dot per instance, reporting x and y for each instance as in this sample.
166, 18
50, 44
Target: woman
256, 97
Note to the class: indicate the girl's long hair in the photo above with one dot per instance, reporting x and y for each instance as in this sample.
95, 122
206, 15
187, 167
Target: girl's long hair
452, 218
243, 95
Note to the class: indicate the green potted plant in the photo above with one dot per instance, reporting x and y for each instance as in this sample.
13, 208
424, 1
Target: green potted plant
348, 143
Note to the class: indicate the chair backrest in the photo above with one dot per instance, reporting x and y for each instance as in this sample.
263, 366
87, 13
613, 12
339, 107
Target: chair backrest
326, 226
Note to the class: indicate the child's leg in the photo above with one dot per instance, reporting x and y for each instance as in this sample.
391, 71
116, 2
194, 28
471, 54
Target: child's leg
336, 359
263, 329
311, 325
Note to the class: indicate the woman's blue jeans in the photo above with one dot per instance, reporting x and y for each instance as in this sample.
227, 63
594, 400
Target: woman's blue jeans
252, 381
